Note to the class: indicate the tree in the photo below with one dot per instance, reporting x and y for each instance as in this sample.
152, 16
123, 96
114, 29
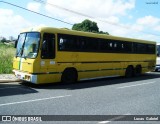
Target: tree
3, 40
88, 26
101, 32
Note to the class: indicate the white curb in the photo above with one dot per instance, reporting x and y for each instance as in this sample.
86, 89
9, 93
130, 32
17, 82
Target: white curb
8, 80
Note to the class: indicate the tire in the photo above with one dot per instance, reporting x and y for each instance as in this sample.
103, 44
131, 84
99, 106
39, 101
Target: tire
138, 70
156, 70
69, 76
129, 72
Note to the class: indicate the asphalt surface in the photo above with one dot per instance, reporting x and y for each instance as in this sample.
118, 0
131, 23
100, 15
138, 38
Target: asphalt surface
112, 96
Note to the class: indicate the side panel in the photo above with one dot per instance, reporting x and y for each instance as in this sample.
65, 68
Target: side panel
100, 65
91, 65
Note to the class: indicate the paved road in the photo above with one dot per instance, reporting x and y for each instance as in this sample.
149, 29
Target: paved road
113, 96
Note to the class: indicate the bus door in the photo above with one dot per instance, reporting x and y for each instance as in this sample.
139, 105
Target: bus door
48, 53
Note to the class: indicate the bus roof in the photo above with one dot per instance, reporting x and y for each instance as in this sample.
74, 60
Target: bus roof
81, 33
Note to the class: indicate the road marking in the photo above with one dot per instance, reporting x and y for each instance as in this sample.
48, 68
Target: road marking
104, 122
113, 119
34, 100
136, 85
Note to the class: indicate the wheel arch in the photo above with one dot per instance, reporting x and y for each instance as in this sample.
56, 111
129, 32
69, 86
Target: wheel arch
73, 70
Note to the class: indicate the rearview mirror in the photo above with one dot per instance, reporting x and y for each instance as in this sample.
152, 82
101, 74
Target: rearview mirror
15, 43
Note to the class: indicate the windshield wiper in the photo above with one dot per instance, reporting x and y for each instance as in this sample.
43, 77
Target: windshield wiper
25, 57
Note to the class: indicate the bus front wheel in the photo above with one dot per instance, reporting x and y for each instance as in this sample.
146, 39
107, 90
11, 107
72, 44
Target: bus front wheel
138, 70
69, 76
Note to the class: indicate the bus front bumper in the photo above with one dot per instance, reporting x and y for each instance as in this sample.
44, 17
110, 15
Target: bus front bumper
157, 68
25, 76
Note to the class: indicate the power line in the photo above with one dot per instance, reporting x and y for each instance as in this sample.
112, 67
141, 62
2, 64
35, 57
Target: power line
36, 12
88, 16
75, 12
65, 9
81, 14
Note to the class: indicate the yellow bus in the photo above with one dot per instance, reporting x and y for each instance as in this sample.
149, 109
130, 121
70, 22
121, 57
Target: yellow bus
48, 55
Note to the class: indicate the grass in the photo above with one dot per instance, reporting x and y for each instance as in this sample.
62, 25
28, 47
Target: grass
7, 53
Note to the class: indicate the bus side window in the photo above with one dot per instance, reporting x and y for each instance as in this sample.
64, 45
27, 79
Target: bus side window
62, 43
48, 46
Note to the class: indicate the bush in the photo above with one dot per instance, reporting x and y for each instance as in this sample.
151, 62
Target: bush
7, 53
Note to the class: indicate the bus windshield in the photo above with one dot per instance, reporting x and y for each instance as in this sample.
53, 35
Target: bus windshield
28, 44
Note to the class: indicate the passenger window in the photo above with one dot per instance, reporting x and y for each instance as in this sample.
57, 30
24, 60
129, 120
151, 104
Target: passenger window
48, 46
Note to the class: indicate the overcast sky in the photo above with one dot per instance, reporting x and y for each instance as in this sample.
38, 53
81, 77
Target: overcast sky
127, 18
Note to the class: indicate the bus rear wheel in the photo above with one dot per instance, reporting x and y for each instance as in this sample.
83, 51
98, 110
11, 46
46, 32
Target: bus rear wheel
129, 72
69, 76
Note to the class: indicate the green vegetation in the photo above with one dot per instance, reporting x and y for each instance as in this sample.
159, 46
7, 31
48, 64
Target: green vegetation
88, 26
7, 53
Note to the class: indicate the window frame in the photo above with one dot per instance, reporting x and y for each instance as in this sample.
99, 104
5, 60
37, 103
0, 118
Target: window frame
53, 55
112, 46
